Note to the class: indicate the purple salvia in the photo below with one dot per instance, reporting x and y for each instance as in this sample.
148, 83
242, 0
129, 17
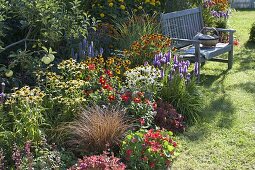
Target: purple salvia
175, 66
168, 57
180, 69
163, 60
196, 69
187, 63
185, 69
175, 59
155, 63
145, 63
84, 44
162, 73
101, 51
188, 77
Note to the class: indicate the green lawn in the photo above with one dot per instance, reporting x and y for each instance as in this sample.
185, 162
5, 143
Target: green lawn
225, 138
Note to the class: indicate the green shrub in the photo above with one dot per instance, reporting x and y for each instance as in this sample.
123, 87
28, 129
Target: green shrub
252, 33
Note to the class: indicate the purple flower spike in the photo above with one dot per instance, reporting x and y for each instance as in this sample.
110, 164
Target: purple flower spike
162, 73
196, 68
168, 56
175, 59
101, 51
180, 70
163, 60
185, 69
155, 63
175, 66
187, 63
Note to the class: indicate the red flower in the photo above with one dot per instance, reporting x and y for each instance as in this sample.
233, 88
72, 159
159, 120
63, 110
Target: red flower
102, 80
111, 97
236, 42
129, 152
92, 66
152, 164
105, 86
109, 88
174, 144
154, 105
109, 73
137, 100
124, 97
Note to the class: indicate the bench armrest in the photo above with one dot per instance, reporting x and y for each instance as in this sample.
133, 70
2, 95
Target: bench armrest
186, 40
222, 29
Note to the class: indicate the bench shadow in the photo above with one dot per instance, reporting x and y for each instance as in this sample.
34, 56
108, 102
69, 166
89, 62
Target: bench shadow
220, 109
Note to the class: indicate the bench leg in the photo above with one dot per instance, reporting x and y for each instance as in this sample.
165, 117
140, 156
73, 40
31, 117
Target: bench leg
230, 59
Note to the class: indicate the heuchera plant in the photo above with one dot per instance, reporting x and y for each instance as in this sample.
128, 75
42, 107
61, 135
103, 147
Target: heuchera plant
149, 149
168, 118
99, 162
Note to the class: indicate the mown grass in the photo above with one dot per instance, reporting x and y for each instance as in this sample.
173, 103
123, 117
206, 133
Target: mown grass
225, 137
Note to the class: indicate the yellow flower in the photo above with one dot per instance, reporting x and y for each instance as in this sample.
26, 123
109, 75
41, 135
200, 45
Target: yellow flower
122, 7
102, 15
121, 0
110, 4
117, 71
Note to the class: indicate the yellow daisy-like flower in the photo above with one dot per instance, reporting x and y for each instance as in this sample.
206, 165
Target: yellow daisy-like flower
122, 7
102, 15
117, 71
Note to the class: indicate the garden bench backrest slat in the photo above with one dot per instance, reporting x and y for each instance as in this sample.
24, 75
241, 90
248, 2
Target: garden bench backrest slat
182, 24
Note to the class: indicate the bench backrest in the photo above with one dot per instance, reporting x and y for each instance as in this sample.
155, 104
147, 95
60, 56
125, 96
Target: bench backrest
182, 24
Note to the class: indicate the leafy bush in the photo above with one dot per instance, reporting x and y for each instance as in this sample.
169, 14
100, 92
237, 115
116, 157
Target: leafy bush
24, 116
168, 118
99, 162
252, 33
29, 25
153, 149
95, 129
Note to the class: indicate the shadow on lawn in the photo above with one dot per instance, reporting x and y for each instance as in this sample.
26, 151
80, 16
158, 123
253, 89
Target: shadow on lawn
246, 57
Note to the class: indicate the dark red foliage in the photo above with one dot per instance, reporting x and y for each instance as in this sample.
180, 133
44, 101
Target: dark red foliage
168, 118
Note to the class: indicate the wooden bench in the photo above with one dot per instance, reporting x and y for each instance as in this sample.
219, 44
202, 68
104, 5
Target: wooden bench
182, 26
